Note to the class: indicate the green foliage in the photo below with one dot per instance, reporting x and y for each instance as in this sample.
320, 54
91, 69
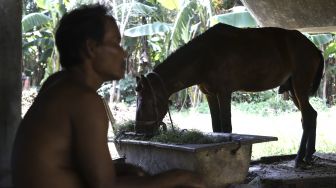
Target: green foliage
272, 106
318, 104
320, 39
33, 20
126, 87
136, 9
39, 56
262, 103
330, 50
148, 29
171, 4
239, 17
266, 103
241, 97
127, 92
203, 108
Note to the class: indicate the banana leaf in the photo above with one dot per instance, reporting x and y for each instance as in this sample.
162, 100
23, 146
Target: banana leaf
239, 17
148, 29
34, 20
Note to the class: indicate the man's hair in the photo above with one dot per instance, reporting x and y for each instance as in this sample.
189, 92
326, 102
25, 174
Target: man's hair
75, 27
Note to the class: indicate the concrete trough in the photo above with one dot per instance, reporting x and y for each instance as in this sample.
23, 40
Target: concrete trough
220, 164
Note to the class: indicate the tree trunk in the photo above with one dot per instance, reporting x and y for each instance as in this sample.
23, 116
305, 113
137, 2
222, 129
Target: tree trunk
10, 82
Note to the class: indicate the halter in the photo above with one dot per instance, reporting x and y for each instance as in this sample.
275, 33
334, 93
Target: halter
156, 121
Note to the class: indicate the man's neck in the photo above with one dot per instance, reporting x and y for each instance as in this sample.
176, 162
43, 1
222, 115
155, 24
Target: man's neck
86, 76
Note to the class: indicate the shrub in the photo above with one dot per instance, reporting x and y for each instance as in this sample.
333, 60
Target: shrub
249, 97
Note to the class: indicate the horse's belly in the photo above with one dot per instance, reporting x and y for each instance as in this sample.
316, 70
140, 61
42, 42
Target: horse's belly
260, 85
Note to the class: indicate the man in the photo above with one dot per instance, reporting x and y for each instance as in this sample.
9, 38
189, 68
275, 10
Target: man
62, 140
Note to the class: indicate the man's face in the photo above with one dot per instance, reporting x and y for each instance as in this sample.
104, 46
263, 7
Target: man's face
110, 56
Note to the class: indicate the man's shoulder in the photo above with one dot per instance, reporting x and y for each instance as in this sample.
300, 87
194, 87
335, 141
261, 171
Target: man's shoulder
67, 99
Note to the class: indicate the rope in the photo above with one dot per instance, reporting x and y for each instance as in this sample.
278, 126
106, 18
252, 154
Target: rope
110, 117
166, 92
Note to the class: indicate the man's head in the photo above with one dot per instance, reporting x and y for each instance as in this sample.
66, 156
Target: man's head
85, 29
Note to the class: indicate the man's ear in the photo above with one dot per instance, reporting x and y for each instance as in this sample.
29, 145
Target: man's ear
90, 47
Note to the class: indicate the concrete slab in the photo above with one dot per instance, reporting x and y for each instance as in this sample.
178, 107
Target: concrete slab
305, 15
283, 174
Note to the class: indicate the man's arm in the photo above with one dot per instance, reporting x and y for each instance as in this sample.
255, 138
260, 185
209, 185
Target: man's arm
90, 124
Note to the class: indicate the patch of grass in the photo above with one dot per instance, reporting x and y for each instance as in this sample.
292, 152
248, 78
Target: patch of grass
179, 136
127, 126
281, 147
170, 136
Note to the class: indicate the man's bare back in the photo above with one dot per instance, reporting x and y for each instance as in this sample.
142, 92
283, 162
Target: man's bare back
62, 140
47, 133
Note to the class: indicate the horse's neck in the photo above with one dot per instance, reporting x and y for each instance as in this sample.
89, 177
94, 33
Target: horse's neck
175, 78
183, 67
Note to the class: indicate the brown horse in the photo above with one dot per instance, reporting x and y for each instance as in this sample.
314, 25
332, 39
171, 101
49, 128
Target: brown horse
225, 59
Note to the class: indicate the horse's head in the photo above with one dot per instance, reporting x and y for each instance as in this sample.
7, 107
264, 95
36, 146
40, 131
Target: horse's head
152, 104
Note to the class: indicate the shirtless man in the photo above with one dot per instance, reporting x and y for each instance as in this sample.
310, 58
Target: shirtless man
62, 140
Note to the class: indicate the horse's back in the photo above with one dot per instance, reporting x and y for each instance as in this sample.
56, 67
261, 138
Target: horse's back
254, 59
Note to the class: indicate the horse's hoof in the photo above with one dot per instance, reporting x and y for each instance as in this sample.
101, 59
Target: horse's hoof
310, 160
303, 165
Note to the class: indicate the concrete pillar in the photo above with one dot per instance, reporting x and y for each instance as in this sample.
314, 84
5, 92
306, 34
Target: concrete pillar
10, 82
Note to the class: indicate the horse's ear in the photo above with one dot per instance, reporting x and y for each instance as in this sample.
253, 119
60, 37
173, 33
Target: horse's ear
138, 78
139, 85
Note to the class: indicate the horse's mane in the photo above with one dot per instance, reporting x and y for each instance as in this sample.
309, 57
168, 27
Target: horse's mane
189, 51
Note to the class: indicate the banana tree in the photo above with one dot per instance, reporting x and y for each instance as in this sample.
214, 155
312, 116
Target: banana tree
327, 43
38, 38
126, 14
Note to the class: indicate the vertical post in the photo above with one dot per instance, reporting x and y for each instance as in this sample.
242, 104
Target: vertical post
10, 82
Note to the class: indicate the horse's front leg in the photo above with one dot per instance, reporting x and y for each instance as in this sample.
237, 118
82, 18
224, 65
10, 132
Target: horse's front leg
224, 101
215, 112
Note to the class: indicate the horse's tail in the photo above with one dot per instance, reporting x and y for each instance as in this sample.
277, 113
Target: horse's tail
287, 86
319, 74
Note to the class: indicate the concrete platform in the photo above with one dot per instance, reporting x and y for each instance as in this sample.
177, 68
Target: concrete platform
279, 172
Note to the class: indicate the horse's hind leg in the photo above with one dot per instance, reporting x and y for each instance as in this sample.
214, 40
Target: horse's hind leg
307, 145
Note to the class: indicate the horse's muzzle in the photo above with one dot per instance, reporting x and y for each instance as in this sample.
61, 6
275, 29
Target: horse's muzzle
146, 127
